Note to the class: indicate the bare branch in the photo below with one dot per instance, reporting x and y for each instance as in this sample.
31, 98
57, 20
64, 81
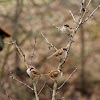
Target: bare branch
35, 91
67, 79
91, 14
33, 48
72, 16
86, 9
9, 43
42, 88
55, 26
54, 91
49, 87
21, 53
6, 92
51, 45
21, 82
88, 4
80, 12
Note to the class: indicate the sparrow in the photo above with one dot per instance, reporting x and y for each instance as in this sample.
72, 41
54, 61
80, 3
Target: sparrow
55, 74
60, 53
66, 27
33, 72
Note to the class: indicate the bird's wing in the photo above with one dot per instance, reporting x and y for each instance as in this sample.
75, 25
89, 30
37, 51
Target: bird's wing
55, 74
57, 53
36, 72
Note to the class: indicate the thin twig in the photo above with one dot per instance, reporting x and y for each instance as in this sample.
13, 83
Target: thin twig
91, 14
33, 48
9, 43
49, 87
42, 88
54, 91
72, 16
35, 91
6, 92
51, 45
80, 12
38, 80
21, 82
88, 4
67, 79
21, 53
14, 78
55, 26
86, 9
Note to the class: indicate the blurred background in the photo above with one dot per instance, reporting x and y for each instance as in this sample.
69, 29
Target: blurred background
25, 20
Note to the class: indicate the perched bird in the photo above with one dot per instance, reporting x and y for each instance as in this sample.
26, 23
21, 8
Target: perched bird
56, 74
33, 72
60, 53
66, 27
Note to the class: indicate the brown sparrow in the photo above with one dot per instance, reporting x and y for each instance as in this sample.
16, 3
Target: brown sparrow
56, 74
33, 72
60, 53
66, 27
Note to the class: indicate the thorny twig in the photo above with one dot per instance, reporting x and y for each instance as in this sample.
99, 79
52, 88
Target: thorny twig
51, 45
6, 92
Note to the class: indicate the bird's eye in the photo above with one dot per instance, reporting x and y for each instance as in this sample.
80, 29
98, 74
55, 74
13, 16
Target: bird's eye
60, 70
66, 25
31, 69
65, 49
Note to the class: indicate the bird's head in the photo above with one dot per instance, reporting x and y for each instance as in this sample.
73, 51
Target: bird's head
60, 70
66, 25
65, 49
31, 68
